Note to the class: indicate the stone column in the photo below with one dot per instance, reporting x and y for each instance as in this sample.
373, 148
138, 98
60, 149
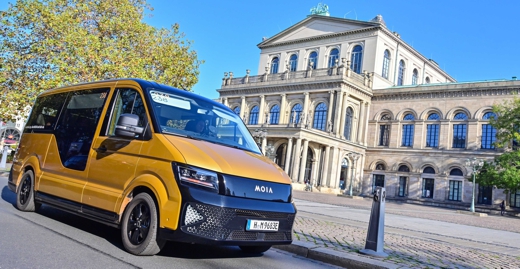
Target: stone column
329, 112
444, 134
325, 179
305, 103
288, 155
226, 101
334, 181
472, 141
283, 104
342, 116
304, 160
337, 118
261, 113
365, 127
243, 107
361, 124
296, 160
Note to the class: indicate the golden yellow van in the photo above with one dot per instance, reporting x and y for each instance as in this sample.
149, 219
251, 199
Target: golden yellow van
157, 162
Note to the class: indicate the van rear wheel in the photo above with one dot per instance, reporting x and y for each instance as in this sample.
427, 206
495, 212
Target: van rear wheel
254, 249
25, 193
139, 226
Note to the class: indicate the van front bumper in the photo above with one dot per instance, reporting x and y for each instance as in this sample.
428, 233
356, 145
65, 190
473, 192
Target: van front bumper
210, 218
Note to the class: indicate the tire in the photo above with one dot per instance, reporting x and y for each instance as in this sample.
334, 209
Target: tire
140, 225
25, 193
254, 249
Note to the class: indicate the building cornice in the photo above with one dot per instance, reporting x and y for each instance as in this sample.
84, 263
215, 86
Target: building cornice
455, 90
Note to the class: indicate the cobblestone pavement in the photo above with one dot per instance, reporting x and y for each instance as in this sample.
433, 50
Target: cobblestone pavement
406, 249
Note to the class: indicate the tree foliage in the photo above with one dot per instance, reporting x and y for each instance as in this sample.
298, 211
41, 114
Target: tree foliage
504, 171
50, 43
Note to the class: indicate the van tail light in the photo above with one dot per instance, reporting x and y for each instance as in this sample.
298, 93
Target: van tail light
198, 177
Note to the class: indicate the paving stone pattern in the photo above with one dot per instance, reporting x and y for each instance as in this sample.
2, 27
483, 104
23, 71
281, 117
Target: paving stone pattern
403, 250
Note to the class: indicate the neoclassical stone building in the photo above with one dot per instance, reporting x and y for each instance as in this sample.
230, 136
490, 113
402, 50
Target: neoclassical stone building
348, 105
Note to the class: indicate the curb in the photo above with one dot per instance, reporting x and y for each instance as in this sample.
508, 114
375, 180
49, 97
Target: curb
344, 259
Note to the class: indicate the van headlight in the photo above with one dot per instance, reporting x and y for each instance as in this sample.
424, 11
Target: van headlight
198, 177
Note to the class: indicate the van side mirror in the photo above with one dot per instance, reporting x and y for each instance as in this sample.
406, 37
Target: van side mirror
127, 126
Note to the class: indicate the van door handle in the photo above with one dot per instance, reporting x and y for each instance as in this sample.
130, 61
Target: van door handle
101, 149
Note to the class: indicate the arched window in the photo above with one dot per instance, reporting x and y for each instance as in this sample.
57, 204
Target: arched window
356, 59
334, 55
415, 77
253, 116
428, 170
320, 116
236, 110
386, 64
432, 131
380, 166
274, 65
459, 130
404, 168
295, 113
293, 62
488, 132
313, 60
400, 74
456, 172
427, 80
274, 115
348, 124
408, 131
384, 131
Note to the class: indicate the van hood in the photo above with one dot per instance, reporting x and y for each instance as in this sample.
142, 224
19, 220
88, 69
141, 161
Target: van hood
228, 160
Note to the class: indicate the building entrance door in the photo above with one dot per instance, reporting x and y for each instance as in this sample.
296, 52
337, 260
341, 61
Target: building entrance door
485, 194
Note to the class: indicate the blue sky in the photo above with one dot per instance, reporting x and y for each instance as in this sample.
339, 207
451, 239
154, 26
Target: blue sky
472, 40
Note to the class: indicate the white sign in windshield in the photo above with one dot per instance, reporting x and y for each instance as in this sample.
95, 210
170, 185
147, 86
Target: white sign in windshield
169, 100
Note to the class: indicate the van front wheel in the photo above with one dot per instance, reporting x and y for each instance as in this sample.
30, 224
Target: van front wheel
25, 193
139, 226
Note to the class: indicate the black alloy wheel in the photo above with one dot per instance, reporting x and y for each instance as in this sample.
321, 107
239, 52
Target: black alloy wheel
25, 193
139, 226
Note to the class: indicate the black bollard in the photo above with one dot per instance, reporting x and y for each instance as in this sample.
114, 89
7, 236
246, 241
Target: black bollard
376, 226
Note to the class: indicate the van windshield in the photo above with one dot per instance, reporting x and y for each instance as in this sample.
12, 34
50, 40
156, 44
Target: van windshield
200, 119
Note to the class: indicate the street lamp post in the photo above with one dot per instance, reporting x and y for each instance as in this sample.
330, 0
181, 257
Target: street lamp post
475, 164
354, 158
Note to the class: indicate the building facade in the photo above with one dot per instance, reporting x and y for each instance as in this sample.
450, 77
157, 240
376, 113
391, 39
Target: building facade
347, 105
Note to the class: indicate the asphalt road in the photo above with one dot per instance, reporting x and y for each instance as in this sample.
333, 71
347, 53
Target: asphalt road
53, 239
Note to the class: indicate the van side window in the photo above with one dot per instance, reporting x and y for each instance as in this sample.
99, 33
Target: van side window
45, 113
127, 101
77, 125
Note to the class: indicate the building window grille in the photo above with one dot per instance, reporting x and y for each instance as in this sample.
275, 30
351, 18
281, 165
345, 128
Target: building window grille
313, 59
386, 64
295, 113
459, 135
403, 186
320, 116
514, 198
274, 65
384, 135
415, 77
334, 55
408, 131
293, 62
455, 193
253, 116
400, 74
379, 181
488, 132
274, 116
456, 172
356, 59
236, 110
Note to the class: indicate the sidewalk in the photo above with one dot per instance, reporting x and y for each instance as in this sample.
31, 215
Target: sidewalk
333, 229
4, 172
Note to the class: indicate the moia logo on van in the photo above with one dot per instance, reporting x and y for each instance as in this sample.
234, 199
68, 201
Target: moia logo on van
263, 189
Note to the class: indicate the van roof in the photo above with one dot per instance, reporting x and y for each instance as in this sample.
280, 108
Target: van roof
145, 85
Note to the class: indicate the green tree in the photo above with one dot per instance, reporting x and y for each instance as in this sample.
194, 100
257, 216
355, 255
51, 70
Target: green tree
50, 43
504, 171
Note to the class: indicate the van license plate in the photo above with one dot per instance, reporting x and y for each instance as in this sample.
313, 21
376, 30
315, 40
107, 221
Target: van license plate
262, 225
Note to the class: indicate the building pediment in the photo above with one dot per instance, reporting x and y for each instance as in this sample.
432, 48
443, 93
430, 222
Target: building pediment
316, 26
